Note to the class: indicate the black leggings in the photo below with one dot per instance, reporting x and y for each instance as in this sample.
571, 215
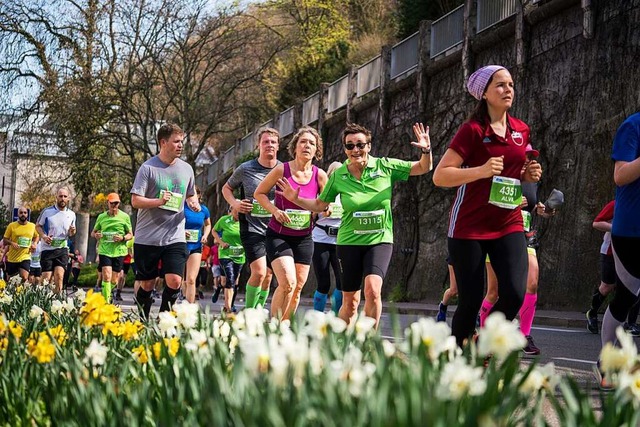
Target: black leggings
201, 278
510, 262
627, 275
325, 255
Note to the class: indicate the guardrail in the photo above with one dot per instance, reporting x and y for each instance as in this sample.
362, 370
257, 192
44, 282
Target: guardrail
285, 122
228, 159
447, 32
369, 76
311, 109
490, 12
404, 55
338, 94
247, 144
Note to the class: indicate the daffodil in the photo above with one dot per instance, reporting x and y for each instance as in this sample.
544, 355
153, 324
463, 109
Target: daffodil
140, 353
187, 314
460, 379
96, 353
58, 333
15, 329
40, 347
500, 337
172, 345
35, 312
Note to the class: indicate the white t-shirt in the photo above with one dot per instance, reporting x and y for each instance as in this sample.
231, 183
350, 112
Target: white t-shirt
56, 224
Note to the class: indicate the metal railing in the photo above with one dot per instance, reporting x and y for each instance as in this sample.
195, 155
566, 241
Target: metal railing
285, 122
311, 109
212, 172
404, 55
490, 12
247, 144
369, 76
228, 159
447, 31
338, 94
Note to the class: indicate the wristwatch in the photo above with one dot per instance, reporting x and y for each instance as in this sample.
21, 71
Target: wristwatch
425, 150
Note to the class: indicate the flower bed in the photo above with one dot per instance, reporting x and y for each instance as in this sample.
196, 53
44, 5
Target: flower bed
82, 362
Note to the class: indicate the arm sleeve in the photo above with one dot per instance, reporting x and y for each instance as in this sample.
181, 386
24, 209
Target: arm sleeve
399, 169
140, 183
236, 177
329, 192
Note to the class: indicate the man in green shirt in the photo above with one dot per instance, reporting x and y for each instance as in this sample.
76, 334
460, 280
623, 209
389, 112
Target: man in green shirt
112, 230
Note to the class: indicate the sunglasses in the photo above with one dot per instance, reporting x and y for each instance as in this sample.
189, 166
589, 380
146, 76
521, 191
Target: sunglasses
360, 145
114, 203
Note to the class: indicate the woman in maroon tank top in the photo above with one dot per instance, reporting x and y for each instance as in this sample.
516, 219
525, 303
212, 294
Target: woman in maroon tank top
289, 243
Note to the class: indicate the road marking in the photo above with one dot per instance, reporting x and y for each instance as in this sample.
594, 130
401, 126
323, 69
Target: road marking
571, 331
568, 359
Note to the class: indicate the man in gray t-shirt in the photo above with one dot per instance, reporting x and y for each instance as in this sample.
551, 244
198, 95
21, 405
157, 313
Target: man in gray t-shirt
253, 217
162, 186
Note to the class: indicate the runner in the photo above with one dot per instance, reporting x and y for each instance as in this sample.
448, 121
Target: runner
365, 238
21, 238
226, 234
325, 254
203, 272
198, 228
35, 270
486, 162
216, 272
289, 243
253, 218
161, 186
76, 265
112, 230
55, 225
450, 292
625, 230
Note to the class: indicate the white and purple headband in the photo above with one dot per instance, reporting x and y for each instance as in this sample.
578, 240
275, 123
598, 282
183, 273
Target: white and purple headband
477, 82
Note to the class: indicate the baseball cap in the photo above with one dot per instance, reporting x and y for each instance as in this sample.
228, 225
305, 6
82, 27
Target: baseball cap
113, 197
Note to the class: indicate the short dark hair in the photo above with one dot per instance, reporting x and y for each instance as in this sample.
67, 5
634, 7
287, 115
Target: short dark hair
168, 129
270, 131
294, 140
353, 128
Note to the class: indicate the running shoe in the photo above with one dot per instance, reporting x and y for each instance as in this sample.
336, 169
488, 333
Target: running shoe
442, 313
592, 322
530, 349
632, 328
216, 294
603, 383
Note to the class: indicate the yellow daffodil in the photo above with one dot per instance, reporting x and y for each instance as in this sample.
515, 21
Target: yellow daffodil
40, 347
58, 333
140, 354
172, 344
15, 329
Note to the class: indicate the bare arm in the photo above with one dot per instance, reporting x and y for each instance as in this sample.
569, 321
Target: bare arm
43, 235
450, 174
603, 226
242, 206
206, 230
261, 193
626, 172
218, 240
140, 202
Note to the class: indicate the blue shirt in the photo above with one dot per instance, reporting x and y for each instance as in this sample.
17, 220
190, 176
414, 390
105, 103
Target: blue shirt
626, 148
195, 221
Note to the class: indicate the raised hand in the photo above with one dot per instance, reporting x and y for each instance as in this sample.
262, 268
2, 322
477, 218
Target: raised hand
287, 190
422, 135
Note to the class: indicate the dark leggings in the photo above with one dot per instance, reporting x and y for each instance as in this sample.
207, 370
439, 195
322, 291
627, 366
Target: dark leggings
628, 275
510, 262
231, 270
325, 255
201, 278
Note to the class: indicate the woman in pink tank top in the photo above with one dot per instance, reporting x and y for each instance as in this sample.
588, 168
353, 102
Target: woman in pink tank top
289, 243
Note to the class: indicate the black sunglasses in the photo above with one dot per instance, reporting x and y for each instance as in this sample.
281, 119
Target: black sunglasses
360, 145
114, 203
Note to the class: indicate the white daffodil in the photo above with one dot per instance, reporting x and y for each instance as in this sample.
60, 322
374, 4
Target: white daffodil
251, 320
255, 354
15, 280
615, 359
225, 330
96, 353
198, 343
35, 312
459, 379
630, 383
540, 378
436, 336
69, 306
363, 326
6, 298
316, 324
336, 324
499, 337
187, 314
57, 307
80, 295
389, 348
353, 370
168, 324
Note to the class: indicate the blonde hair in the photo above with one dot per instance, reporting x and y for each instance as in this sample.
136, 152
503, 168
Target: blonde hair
270, 131
306, 129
